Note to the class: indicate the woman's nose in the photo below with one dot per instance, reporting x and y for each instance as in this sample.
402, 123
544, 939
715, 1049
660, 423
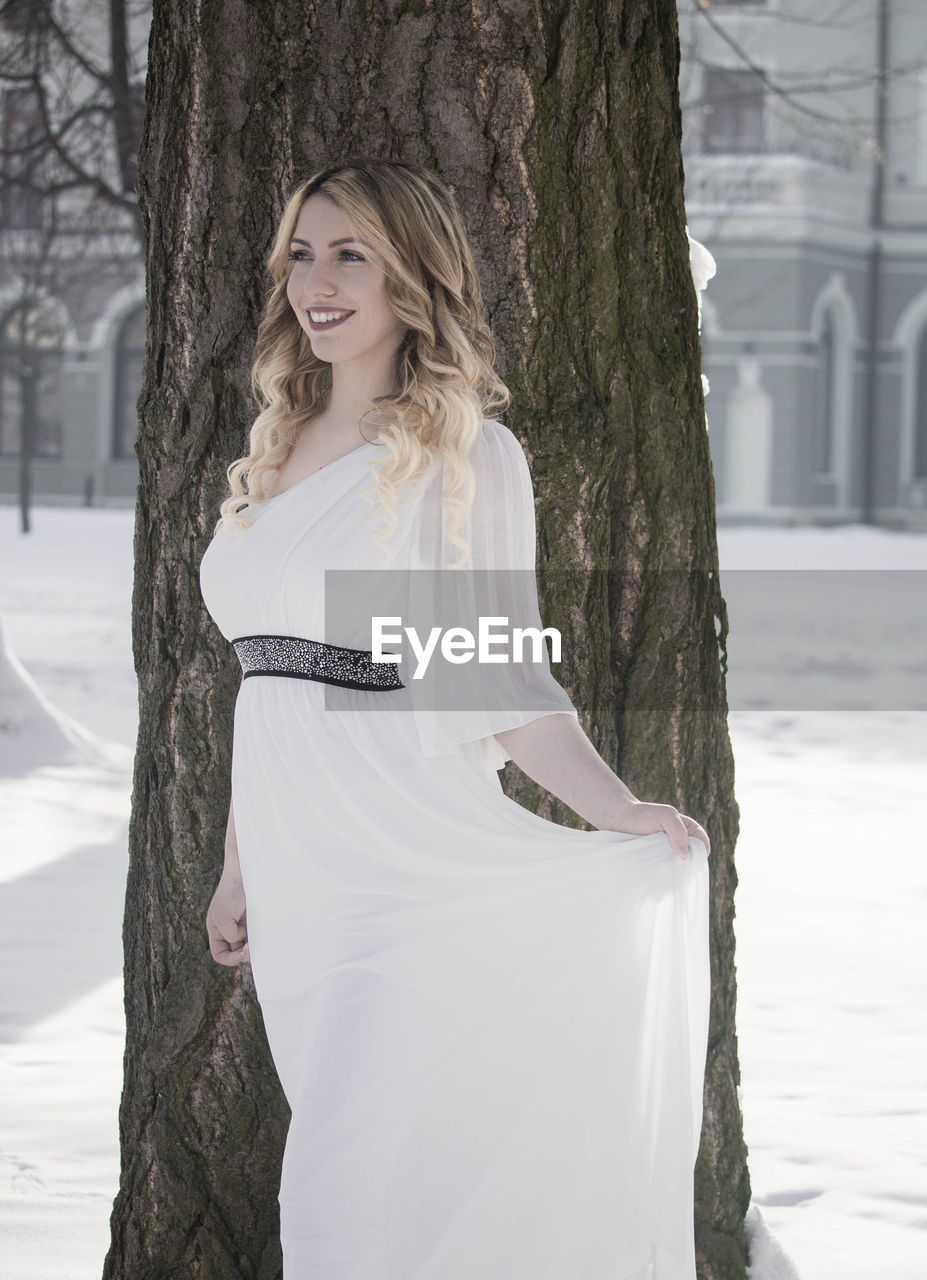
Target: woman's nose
317, 280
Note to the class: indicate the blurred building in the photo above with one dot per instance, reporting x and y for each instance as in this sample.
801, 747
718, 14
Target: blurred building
812, 200
805, 148
72, 315
74, 364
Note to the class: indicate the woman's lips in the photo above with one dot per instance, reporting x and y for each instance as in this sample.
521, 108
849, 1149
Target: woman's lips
319, 326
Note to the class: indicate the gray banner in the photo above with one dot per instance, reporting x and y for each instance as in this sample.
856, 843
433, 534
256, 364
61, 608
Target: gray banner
815, 639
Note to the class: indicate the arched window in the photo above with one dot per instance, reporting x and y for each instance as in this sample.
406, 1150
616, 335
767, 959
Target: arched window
31, 340
825, 396
127, 367
919, 467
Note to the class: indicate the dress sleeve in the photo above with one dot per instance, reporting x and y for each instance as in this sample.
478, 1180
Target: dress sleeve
463, 706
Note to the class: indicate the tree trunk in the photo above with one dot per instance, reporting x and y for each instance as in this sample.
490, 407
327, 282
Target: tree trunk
559, 128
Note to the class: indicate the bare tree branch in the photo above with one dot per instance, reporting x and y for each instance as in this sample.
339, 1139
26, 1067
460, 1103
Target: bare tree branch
102, 76
43, 143
87, 112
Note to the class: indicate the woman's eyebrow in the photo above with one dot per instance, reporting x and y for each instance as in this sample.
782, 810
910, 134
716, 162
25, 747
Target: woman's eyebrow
332, 243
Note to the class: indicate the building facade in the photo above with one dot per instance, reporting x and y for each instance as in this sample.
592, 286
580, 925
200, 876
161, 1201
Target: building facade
76, 371
813, 202
72, 314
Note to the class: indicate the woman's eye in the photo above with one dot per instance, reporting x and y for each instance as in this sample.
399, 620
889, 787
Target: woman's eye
302, 255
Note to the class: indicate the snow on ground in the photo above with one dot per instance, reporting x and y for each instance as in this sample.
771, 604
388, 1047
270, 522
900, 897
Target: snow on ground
830, 908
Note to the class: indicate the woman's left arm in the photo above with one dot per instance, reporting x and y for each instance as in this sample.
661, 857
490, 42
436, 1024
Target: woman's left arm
555, 752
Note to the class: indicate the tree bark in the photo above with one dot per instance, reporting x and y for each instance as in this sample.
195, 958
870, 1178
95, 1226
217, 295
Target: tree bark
559, 127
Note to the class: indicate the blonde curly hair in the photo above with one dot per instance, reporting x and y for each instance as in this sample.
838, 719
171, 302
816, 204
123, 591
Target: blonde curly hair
445, 379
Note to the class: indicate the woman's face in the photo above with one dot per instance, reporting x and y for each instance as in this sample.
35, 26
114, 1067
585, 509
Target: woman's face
337, 287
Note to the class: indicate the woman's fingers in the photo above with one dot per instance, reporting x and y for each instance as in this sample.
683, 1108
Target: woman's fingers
642, 818
679, 827
677, 833
228, 937
224, 952
694, 828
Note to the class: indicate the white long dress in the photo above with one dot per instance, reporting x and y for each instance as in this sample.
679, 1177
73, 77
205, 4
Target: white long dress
491, 1029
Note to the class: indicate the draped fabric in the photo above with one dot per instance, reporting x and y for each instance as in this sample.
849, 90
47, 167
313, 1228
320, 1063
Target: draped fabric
481, 700
490, 1028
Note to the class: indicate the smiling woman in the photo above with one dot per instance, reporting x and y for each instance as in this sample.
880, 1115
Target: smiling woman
383, 344
338, 284
490, 1028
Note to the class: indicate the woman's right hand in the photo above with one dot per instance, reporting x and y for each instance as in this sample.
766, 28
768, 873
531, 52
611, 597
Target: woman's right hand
227, 922
643, 819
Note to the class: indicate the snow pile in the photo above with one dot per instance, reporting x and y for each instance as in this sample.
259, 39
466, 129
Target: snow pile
767, 1259
703, 268
33, 732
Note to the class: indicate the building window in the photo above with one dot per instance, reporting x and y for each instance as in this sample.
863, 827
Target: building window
732, 111
920, 415
22, 134
825, 397
30, 383
129, 357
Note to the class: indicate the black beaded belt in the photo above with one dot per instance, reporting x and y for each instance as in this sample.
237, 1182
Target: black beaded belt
314, 660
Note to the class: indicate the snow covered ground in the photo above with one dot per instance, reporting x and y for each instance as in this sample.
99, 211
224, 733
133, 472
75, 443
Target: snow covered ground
830, 911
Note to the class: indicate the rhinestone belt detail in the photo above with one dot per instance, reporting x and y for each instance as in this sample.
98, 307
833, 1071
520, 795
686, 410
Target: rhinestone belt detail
314, 660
